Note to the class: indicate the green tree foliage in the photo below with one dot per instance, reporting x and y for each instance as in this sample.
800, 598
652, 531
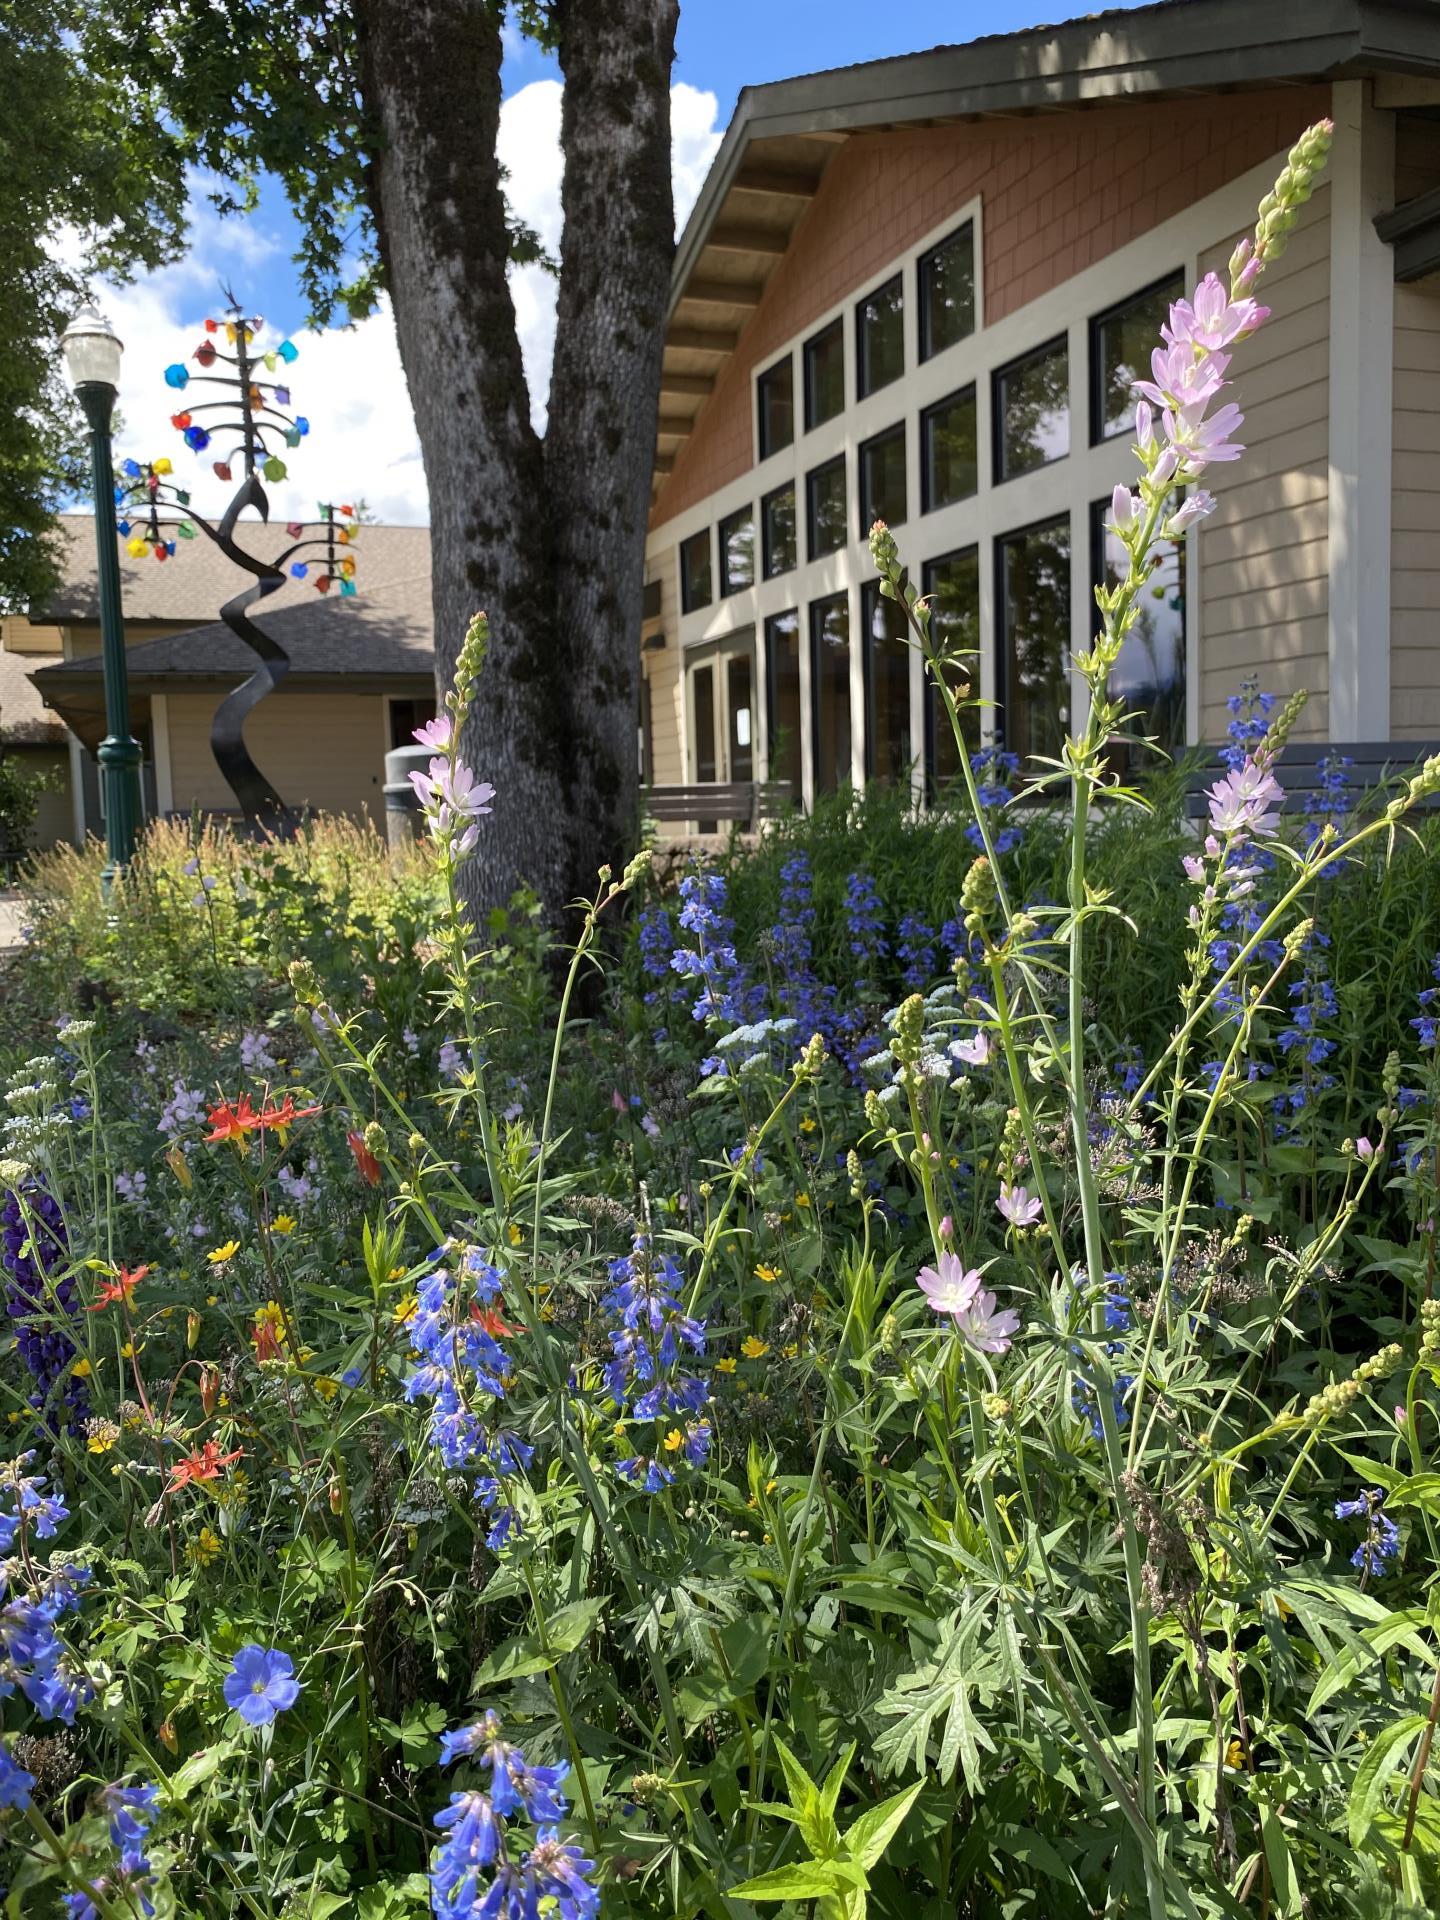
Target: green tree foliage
92, 184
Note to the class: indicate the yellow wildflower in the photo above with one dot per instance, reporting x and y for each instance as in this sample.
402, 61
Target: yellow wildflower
272, 1314
513, 1234
283, 1223
396, 1273
808, 1124
802, 1200
82, 1370
790, 1352
100, 1435
753, 1348
406, 1309
674, 1440
205, 1547
325, 1386
727, 1365
127, 1352
1235, 1752
767, 1273
218, 1256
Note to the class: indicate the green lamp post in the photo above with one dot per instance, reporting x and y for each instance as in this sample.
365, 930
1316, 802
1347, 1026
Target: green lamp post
92, 352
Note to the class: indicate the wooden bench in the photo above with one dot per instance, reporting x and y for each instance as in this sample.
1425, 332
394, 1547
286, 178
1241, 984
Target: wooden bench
1373, 763
749, 800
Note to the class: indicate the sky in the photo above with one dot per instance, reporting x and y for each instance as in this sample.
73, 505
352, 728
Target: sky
348, 381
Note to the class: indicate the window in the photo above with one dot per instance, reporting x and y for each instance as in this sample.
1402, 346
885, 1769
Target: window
405, 717
952, 585
888, 752
1121, 342
1033, 605
947, 292
947, 451
880, 337
825, 508
824, 375
695, 571
782, 697
882, 480
1149, 675
830, 691
1032, 411
777, 525
775, 398
737, 551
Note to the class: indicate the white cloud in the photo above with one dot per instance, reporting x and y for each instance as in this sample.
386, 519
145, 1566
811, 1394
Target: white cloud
348, 381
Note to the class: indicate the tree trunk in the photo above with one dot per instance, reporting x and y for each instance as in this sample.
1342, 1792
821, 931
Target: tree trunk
547, 537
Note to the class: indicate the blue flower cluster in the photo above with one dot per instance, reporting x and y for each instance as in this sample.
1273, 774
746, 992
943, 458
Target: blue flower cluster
32, 1656
1250, 712
994, 770
38, 1305
725, 993
132, 1812
650, 1334
1119, 1319
1329, 802
473, 1873
1382, 1536
865, 920
460, 1366
1427, 1021
915, 949
811, 1005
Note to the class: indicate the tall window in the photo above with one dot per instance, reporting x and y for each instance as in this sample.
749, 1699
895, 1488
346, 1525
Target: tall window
882, 480
1121, 342
880, 337
830, 691
737, 551
1033, 608
888, 751
695, 571
947, 451
825, 375
947, 292
777, 525
1032, 410
782, 697
825, 508
951, 583
775, 401
1149, 675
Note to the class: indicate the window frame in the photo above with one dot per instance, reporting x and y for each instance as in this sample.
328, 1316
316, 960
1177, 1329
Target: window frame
924, 351
762, 451
726, 591
841, 596
1000, 663
863, 390
1099, 438
896, 430
834, 327
687, 603
998, 475
871, 600
812, 474
930, 715
767, 572
767, 624
926, 414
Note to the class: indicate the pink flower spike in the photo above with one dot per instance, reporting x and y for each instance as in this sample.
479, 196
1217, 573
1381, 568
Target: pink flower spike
1020, 1208
1246, 801
1194, 868
435, 733
982, 1328
948, 1286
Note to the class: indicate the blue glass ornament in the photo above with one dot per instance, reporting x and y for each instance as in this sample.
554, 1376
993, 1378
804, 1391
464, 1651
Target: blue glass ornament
302, 425
131, 468
299, 571
122, 527
288, 351
197, 438
177, 375
282, 396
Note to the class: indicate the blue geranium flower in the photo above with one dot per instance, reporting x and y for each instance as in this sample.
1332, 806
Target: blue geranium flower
261, 1683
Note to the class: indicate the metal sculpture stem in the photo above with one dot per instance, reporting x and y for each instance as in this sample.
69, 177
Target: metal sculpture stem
259, 801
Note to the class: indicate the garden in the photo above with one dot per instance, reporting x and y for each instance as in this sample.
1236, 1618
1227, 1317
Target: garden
892, 1369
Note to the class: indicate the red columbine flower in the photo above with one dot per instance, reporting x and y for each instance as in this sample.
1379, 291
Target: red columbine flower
490, 1320
232, 1121
369, 1166
280, 1119
120, 1288
204, 1464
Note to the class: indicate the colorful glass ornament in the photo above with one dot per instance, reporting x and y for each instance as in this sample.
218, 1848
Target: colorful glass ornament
294, 528
347, 511
347, 588
322, 585
302, 425
274, 469
282, 396
185, 530
269, 359
131, 468
135, 547
299, 570
222, 469
212, 326
177, 376
197, 438
180, 421
292, 436
122, 528
205, 354
162, 465
288, 351
182, 498
160, 553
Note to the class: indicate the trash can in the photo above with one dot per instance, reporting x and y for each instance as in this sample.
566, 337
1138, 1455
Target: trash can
402, 803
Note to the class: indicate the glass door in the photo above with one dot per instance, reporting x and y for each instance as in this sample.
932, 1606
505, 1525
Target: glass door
721, 688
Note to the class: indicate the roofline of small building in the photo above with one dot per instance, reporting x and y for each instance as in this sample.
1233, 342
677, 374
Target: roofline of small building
1178, 46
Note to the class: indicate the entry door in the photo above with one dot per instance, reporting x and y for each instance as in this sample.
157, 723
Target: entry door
722, 709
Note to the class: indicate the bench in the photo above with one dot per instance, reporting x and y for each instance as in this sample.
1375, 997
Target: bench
749, 800
1373, 763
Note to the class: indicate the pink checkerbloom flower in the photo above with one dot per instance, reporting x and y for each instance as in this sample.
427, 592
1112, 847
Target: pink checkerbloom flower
454, 802
1246, 801
949, 1286
435, 733
1020, 1208
981, 1327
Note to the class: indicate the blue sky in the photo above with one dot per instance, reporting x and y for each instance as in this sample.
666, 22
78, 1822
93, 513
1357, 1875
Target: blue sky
349, 381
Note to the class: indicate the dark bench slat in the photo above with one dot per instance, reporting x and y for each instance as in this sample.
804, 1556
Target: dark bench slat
719, 800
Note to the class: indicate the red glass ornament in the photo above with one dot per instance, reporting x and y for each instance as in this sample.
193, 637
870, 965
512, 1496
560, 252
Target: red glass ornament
294, 528
205, 354
322, 585
180, 420
222, 469
212, 326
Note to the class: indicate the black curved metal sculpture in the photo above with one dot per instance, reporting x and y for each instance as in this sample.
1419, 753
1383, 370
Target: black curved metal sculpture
159, 512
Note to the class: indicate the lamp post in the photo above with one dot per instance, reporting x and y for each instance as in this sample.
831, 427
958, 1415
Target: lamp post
92, 352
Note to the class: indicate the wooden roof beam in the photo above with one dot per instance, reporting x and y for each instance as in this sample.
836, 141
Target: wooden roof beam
776, 185
722, 293
717, 340
747, 240
674, 426
685, 386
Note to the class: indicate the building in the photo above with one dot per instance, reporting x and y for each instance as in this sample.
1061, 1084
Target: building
361, 676
918, 290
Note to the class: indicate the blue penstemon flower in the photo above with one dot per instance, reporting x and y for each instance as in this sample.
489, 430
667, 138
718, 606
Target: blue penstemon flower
1119, 1319
33, 1601
1382, 1537
650, 1335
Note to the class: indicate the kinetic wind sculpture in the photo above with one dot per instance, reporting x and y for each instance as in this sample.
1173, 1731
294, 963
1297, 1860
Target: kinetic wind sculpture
156, 512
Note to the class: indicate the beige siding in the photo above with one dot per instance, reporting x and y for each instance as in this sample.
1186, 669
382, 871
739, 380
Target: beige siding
662, 670
322, 751
1264, 554
18, 635
1415, 516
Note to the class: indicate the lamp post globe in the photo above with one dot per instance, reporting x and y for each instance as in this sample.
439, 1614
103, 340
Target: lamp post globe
92, 351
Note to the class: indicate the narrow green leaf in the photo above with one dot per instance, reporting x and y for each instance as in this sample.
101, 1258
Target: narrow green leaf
867, 1839
805, 1880
1284, 1882
1386, 1752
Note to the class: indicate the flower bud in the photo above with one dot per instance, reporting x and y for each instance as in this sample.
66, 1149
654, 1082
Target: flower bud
192, 1330
179, 1166
209, 1390
374, 1137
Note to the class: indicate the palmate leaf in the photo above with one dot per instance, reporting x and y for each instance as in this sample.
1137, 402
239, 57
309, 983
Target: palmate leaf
946, 1685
